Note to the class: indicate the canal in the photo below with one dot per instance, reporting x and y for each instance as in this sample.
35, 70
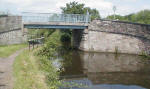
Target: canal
88, 70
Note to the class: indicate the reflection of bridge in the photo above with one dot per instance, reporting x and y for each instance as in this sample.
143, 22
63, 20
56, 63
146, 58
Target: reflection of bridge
55, 21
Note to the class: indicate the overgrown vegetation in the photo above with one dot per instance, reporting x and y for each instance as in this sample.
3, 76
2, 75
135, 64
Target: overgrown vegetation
7, 50
46, 55
51, 45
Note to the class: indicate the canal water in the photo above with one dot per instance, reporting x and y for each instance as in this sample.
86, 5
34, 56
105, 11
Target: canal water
88, 70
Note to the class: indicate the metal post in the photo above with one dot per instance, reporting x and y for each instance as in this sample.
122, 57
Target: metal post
114, 9
87, 16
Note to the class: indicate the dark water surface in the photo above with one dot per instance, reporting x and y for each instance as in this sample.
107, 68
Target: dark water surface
83, 70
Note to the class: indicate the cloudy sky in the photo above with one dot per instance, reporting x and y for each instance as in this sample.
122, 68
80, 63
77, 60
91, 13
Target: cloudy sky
53, 6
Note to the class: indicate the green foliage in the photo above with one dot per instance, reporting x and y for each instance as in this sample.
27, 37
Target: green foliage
65, 37
117, 17
93, 12
77, 8
36, 33
51, 45
73, 8
140, 17
50, 72
46, 54
143, 17
7, 50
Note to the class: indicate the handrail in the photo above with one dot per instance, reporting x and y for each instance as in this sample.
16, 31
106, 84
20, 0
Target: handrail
53, 17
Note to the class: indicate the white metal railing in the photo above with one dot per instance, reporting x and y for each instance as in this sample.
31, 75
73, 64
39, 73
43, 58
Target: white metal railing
51, 17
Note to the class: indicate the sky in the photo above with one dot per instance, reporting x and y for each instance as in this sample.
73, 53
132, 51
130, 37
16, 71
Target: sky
104, 7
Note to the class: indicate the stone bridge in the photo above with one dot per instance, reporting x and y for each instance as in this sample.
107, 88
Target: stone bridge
114, 36
95, 36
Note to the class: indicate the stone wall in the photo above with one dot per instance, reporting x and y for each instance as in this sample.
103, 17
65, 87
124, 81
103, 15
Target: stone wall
11, 30
12, 37
8, 23
116, 36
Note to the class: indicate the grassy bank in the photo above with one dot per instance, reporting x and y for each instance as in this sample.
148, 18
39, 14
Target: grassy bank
32, 72
34, 69
7, 50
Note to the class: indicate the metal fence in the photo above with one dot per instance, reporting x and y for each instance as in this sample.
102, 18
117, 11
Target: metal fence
51, 17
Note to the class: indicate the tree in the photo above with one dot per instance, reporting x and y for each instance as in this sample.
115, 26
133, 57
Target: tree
93, 12
143, 17
139, 17
119, 17
73, 8
79, 8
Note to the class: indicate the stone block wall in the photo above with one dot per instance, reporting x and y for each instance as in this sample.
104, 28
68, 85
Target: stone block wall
116, 36
11, 30
12, 37
120, 27
8, 23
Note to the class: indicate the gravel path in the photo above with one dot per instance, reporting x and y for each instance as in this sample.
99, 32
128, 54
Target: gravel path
6, 68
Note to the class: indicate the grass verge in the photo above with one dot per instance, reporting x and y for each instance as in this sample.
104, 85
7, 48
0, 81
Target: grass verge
33, 72
7, 50
34, 69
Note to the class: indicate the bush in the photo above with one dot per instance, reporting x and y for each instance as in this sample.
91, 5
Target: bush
65, 37
51, 45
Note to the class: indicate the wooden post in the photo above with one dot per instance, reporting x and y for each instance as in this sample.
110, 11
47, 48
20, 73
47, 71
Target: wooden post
29, 44
33, 45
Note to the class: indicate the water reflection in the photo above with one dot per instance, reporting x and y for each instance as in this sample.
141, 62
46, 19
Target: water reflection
139, 79
106, 70
108, 62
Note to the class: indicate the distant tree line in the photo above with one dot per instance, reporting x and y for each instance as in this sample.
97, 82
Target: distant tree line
139, 17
